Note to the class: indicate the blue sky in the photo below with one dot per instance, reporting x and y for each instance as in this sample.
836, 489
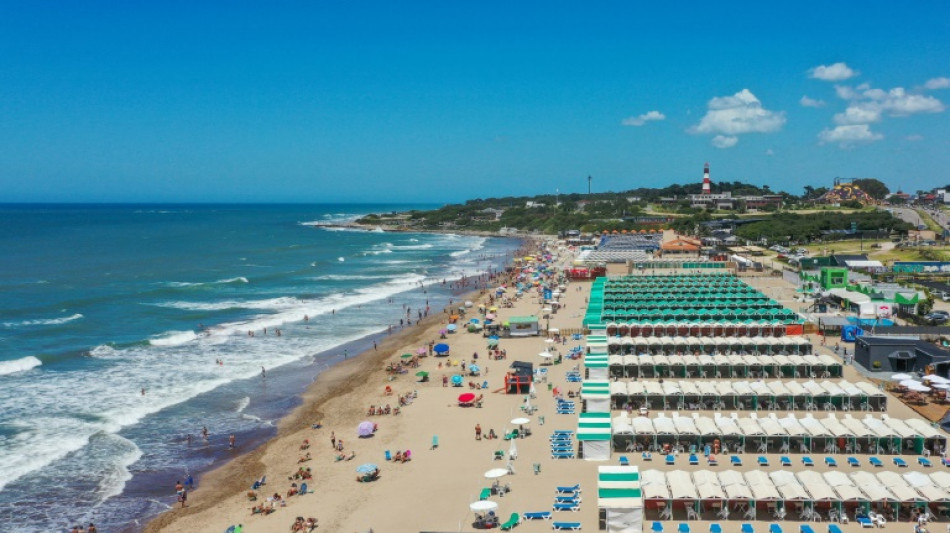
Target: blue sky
445, 101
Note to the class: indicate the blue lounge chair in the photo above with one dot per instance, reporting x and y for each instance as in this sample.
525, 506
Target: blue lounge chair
657, 527
624, 461
735, 460
830, 461
864, 521
670, 459
573, 499
853, 461
542, 515
900, 462
924, 462
775, 528
564, 489
746, 528
573, 507
807, 461
646, 456
763, 460
715, 528
944, 461
693, 459
563, 432
805, 528
682, 528
833, 528
875, 462
712, 461
562, 455
785, 461
566, 526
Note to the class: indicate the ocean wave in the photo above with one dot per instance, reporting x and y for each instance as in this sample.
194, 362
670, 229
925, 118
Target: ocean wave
19, 365
239, 279
345, 277
377, 252
272, 304
460, 253
121, 454
412, 247
44, 321
173, 338
242, 404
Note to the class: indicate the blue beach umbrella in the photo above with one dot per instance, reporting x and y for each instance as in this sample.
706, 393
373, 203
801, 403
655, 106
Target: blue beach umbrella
441, 348
474, 368
451, 327
367, 468
474, 321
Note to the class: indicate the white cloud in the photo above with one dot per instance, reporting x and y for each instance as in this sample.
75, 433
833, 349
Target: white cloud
811, 102
835, 72
643, 119
858, 114
849, 134
938, 83
845, 93
722, 141
914, 138
737, 114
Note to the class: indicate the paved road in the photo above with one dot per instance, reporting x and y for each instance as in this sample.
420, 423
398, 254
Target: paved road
913, 217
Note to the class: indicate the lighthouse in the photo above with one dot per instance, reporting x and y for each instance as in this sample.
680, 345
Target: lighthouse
707, 185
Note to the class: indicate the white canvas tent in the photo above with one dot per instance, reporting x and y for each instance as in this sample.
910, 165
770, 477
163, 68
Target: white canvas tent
620, 498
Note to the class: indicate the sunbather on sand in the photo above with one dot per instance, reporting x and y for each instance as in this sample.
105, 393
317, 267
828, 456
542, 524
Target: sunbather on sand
305, 458
305, 445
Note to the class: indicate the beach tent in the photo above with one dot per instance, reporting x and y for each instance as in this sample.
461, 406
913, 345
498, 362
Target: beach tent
523, 326
596, 396
620, 498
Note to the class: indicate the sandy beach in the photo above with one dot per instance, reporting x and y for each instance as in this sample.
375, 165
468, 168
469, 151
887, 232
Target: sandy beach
402, 499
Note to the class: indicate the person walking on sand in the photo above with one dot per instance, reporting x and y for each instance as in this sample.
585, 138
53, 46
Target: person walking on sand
333, 439
478, 432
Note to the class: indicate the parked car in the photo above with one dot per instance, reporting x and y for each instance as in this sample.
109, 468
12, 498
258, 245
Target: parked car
937, 317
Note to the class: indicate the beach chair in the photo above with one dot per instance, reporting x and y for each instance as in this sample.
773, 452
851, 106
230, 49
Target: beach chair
735, 460
831, 462
562, 455
853, 461
775, 528
485, 494
900, 462
646, 456
513, 521
715, 528
499, 455
763, 460
875, 462
568, 489
573, 507
435, 442
566, 526
805, 528
693, 459
624, 461
944, 461
924, 462
541, 515
303, 489
807, 461
747, 528
682, 528
864, 521
712, 461
567, 500
388, 455
670, 459
657, 527
833, 528
785, 461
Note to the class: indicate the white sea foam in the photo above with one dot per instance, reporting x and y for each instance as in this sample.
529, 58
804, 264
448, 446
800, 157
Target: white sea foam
460, 253
242, 404
239, 279
413, 247
19, 365
345, 277
122, 453
173, 338
44, 321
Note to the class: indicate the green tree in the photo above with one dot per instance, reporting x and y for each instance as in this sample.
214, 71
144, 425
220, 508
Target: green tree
874, 187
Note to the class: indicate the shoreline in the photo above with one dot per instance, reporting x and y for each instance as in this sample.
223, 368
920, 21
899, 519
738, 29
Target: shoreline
233, 476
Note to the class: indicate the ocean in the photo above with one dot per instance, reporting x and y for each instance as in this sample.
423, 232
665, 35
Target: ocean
101, 302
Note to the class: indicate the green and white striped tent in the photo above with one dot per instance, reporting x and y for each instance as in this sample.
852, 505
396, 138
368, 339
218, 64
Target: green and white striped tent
593, 434
619, 498
597, 344
597, 366
596, 396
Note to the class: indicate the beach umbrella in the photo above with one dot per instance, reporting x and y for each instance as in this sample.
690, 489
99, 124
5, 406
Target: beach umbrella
933, 378
519, 421
943, 386
492, 342
474, 368
467, 397
496, 473
546, 355
421, 351
451, 327
549, 341
483, 506
366, 468
474, 321
456, 380
365, 429
910, 383
490, 316
441, 348
406, 356
422, 374
919, 388
901, 377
